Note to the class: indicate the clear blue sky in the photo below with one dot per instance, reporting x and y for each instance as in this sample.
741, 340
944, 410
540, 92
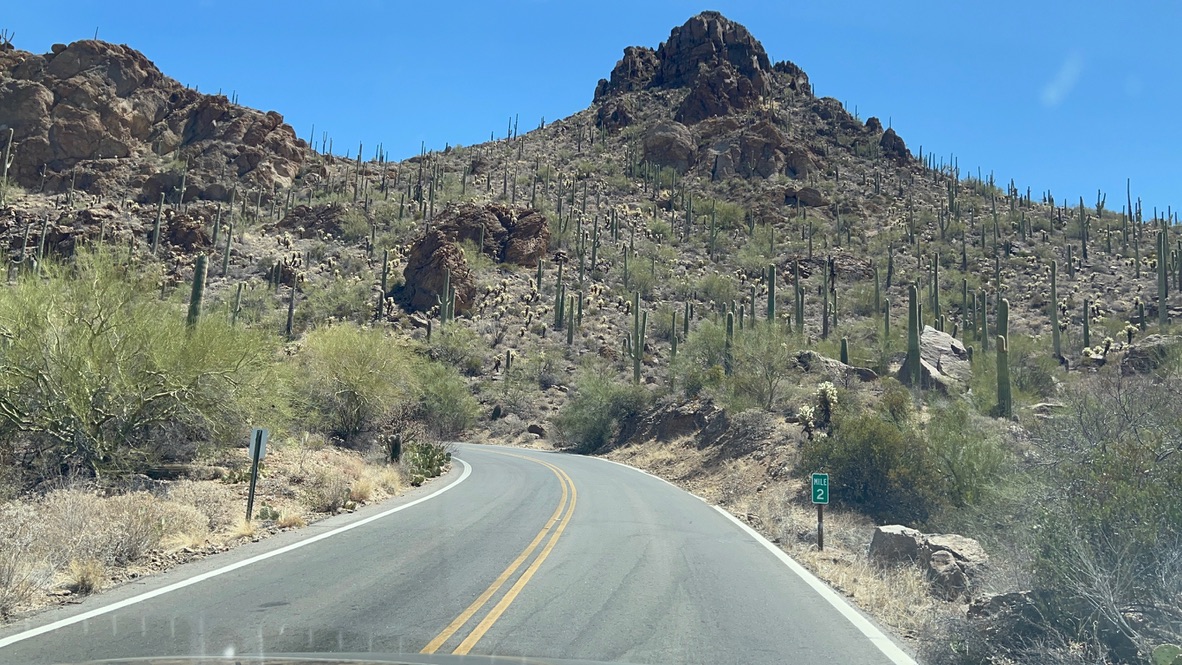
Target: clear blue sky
1071, 96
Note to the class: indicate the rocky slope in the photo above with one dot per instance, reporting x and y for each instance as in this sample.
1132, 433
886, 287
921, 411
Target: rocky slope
102, 118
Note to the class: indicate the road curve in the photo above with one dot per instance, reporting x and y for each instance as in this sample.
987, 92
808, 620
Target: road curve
523, 553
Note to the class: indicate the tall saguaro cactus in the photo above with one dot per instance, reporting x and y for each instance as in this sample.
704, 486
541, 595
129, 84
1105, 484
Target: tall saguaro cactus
1056, 343
728, 353
198, 293
4, 166
635, 346
1005, 400
1162, 286
771, 293
913, 373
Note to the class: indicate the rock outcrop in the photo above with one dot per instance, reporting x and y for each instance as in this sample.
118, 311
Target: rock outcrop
520, 236
312, 221
91, 108
1148, 354
759, 150
944, 361
950, 561
811, 361
724, 66
893, 147
435, 260
670, 144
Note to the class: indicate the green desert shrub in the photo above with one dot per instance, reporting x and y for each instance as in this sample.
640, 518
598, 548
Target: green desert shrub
351, 380
97, 374
600, 402
446, 405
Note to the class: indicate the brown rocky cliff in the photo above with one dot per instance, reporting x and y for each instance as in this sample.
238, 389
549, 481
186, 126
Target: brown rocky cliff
92, 101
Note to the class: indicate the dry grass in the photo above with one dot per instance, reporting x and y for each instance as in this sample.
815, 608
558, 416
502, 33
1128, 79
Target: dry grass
326, 490
291, 521
214, 500
77, 539
389, 478
362, 489
241, 529
85, 576
185, 540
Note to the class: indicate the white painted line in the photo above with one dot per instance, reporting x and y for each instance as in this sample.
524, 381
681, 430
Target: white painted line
885, 644
879, 639
98, 611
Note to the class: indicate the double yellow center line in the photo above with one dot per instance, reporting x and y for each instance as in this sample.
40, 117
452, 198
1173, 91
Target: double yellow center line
554, 526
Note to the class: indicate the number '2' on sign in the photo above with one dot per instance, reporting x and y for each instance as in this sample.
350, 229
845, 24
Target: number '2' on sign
821, 488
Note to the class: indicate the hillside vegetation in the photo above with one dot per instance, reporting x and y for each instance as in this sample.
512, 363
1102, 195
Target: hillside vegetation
710, 272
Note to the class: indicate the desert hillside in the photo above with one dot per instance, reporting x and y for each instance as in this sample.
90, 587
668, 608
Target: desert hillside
710, 273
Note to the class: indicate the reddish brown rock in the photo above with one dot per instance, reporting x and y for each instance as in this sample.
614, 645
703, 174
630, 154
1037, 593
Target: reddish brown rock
435, 260
92, 101
520, 236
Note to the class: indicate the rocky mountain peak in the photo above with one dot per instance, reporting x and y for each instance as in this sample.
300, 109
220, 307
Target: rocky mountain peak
723, 65
710, 39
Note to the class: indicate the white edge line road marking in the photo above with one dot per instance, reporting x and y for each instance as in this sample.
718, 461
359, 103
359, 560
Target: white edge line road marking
885, 644
879, 639
98, 611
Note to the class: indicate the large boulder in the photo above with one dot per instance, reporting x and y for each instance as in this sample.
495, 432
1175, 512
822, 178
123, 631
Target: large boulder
895, 543
614, 114
435, 260
1148, 354
520, 235
759, 150
948, 579
944, 362
811, 361
950, 561
670, 144
805, 196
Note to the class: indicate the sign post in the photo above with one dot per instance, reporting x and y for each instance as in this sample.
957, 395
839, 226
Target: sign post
257, 447
821, 498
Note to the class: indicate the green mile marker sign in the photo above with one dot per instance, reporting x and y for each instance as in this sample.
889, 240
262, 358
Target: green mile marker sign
821, 488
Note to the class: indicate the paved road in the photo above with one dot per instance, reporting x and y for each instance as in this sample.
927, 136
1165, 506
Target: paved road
524, 553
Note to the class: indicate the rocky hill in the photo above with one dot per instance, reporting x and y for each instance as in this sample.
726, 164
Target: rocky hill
102, 118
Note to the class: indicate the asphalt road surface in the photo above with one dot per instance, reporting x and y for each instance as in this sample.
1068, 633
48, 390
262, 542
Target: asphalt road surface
513, 553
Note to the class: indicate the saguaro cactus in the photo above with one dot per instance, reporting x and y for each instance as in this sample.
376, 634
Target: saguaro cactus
1056, 343
771, 293
198, 293
845, 351
635, 346
1005, 400
728, 350
1162, 286
913, 373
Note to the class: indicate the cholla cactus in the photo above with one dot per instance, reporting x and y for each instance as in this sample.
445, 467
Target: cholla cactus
826, 403
807, 417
